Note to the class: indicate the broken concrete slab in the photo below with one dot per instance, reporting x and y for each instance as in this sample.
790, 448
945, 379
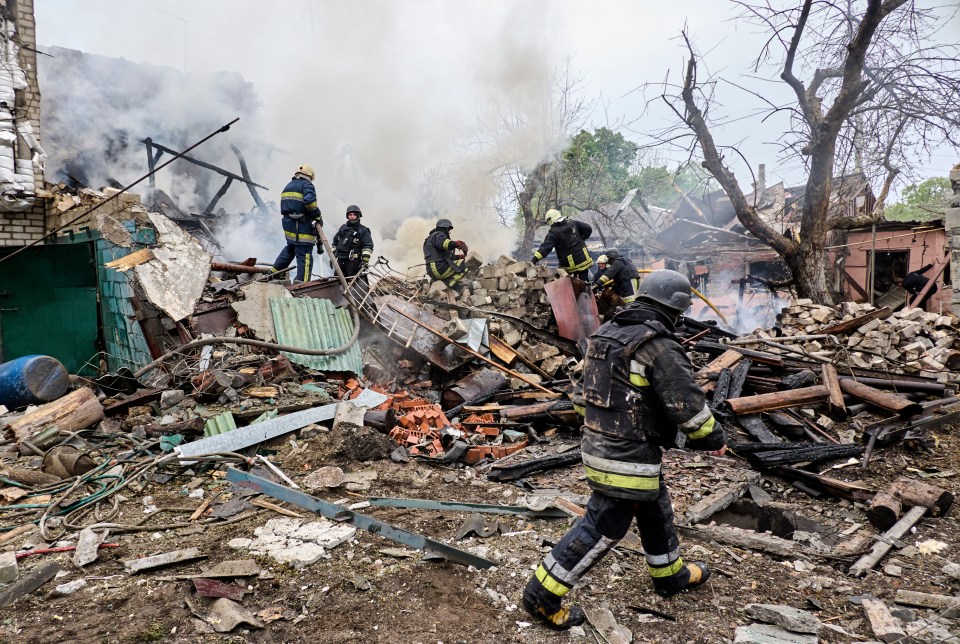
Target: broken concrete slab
254, 310
88, 546
298, 544
174, 557
326, 477
788, 617
233, 568
769, 634
348, 414
359, 481
9, 569
174, 280
223, 614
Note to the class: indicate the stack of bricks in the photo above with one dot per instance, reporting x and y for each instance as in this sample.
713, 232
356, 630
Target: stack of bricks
508, 286
909, 341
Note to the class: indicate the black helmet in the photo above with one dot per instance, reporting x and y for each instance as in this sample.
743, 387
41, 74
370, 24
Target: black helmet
356, 209
612, 254
444, 224
666, 288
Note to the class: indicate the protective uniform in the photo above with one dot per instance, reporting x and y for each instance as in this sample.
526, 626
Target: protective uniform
353, 244
298, 205
621, 275
567, 237
438, 253
639, 392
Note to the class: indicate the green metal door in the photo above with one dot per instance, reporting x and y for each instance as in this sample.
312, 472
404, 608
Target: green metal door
48, 304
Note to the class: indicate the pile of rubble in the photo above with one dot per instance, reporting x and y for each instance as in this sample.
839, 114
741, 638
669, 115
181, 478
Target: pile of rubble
907, 341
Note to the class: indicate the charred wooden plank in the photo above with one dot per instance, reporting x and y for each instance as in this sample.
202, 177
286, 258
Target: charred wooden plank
798, 380
758, 429
777, 400
849, 325
807, 454
836, 408
883, 399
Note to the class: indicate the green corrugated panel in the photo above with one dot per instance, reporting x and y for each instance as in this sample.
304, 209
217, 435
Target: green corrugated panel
124, 342
220, 424
314, 323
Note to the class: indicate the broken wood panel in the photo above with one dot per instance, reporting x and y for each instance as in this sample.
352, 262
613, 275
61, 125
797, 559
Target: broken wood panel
724, 361
777, 400
77, 410
127, 262
758, 429
926, 600
738, 376
855, 323
28, 583
882, 623
883, 399
882, 547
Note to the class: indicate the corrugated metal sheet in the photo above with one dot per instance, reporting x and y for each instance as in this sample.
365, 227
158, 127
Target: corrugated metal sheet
313, 323
221, 424
124, 342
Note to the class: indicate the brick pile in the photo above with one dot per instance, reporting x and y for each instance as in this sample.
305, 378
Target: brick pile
909, 341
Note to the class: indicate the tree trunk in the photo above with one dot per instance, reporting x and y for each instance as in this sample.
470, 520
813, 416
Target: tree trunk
809, 272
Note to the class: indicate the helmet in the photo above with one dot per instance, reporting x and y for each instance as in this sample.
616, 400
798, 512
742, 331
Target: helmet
308, 171
612, 253
553, 216
444, 224
603, 260
666, 288
356, 209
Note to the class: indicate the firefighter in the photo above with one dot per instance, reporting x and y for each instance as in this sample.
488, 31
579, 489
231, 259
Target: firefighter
439, 254
353, 244
568, 237
914, 283
301, 216
639, 392
619, 273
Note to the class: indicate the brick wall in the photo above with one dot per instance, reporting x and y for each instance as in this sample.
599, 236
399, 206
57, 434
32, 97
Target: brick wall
19, 228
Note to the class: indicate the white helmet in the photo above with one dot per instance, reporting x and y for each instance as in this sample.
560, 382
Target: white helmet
307, 171
553, 216
602, 260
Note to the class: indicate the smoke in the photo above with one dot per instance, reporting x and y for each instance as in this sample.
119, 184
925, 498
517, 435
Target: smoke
758, 309
404, 116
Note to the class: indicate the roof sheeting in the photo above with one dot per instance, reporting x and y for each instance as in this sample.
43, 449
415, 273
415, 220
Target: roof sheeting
314, 323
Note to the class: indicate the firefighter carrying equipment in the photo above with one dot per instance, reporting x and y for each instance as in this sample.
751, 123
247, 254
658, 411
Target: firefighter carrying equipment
438, 253
568, 237
307, 171
621, 275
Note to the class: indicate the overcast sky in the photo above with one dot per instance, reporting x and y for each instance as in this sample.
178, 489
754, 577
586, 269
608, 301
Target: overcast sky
400, 81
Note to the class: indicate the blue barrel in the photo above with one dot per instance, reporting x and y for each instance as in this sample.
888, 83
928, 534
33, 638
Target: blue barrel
32, 379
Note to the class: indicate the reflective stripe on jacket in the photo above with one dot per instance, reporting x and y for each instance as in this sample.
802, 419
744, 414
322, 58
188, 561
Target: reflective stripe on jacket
353, 241
622, 275
438, 251
299, 199
567, 237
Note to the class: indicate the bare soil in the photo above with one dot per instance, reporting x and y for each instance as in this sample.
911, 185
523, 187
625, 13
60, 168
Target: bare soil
362, 594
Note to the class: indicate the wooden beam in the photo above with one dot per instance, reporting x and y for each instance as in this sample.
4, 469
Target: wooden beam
928, 287
853, 283
883, 399
836, 408
777, 400
855, 323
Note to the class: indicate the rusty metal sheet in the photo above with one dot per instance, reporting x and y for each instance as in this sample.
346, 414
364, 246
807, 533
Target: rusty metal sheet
439, 352
327, 288
574, 308
214, 320
473, 386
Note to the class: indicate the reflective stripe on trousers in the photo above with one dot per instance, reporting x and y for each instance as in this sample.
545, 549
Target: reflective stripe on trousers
605, 523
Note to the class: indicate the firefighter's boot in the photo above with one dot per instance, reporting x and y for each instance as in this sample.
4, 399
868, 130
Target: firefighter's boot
693, 574
560, 620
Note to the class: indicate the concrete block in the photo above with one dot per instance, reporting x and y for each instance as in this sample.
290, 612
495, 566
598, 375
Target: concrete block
171, 398
788, 617
436, 288
9, 569
348, 414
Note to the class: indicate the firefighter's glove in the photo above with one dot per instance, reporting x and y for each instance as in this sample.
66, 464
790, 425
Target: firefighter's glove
534, 261
711, 442
319, 247
459, 245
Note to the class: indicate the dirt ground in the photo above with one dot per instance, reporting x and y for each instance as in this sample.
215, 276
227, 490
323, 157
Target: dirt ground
363, 594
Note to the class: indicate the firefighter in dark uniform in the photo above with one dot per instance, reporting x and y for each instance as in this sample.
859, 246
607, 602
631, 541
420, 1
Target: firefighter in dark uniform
353, 244
568, 237
639, 392
301, 216
438, 253
915, 282
619, 273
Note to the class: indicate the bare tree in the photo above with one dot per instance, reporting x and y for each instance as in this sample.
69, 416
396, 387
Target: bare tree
879, 93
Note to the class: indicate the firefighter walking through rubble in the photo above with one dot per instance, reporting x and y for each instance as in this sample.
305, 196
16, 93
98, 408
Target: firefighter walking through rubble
301, 216
568, 237
353, 244
439, 254
639, 392
619, 273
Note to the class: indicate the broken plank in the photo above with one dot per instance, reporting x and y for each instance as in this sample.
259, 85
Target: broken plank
134, 566
758, 429
724, 361
746, 539
836, 408
883, 399
127, 262
882, 547
710, 505
777, 400
855, 323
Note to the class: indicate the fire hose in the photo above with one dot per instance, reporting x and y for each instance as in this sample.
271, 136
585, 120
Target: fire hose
354, 312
